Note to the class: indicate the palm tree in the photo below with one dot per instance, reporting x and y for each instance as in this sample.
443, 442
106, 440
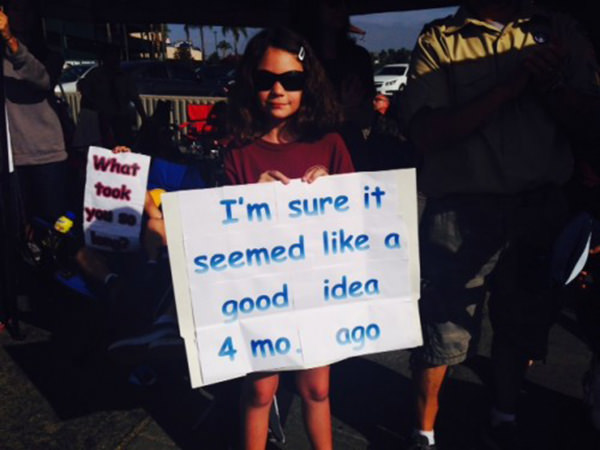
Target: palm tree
201, 31
223, 46
236, 32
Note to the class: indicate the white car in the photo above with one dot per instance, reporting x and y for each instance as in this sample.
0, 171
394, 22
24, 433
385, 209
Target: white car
69, 77
391, 78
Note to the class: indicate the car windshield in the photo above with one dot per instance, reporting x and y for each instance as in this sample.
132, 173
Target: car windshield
392, 70
72, 73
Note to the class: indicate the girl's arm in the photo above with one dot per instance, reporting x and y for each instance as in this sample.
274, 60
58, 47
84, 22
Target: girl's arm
229, 166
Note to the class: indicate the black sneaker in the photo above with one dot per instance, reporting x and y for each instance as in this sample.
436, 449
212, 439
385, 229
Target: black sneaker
501, 437
419, 442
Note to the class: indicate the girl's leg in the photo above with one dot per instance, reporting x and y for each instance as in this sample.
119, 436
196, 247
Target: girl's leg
313, 386
257, 397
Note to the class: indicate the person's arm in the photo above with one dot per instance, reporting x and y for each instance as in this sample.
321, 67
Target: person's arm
12, 44
578, 113
429, 116
433, 129
574, 108
230, 168
23, 62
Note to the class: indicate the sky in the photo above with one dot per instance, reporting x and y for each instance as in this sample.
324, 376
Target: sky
388, 30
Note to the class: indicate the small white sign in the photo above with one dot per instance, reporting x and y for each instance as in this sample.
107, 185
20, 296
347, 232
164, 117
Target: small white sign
115, 190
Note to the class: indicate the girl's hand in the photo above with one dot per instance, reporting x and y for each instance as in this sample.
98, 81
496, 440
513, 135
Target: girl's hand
273, 175
314, 172
121, 149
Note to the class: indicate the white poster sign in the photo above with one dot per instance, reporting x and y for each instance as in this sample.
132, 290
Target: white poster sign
278, 277
115, 190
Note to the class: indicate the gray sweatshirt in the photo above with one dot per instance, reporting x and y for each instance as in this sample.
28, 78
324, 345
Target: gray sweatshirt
35, 130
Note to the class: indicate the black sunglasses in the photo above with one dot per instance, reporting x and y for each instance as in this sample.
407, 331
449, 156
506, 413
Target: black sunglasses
291, 81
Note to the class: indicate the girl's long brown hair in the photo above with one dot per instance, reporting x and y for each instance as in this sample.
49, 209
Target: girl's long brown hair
319, 112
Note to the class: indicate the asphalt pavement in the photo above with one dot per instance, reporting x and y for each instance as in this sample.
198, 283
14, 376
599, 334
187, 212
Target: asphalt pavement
59, 390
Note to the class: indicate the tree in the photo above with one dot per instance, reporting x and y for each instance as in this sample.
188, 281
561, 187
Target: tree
200, 29
236, 32
223, 47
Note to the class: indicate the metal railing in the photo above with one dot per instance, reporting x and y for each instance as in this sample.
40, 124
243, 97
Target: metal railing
178, 105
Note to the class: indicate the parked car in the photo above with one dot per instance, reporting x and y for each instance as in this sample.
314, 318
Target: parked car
164, 77
391, 78
216, 79
69, 77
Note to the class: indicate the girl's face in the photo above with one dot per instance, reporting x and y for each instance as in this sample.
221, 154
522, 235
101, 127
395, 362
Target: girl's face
279, 97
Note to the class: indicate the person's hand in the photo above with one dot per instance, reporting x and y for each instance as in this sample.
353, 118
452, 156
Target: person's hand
4, 27
314, 172
11, 42
121, 149
545, 63
273, 175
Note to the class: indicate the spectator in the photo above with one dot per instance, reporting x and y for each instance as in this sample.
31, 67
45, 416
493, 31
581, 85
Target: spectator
36, 138
494, 91
326, 25
381, 104
112, 94
387, 147
122, 277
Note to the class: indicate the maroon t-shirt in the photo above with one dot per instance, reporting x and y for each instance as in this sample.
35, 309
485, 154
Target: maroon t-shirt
244, 165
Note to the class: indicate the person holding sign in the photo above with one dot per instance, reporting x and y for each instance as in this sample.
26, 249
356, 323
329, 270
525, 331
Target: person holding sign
282, 112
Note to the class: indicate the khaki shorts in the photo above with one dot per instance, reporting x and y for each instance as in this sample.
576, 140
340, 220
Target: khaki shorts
474, 245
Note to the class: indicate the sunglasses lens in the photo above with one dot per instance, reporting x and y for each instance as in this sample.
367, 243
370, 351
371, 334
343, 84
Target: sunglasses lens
291, 81
263, 81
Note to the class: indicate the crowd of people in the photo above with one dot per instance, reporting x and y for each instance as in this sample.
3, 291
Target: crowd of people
502, 103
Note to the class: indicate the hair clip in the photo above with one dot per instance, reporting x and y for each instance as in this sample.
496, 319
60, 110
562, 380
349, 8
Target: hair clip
301, 53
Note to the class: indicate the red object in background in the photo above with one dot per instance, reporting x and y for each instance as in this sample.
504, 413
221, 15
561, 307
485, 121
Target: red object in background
197, 120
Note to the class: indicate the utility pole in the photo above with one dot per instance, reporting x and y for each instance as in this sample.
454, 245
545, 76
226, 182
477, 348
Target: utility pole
215, 35
9, 224
202, 43
163, 42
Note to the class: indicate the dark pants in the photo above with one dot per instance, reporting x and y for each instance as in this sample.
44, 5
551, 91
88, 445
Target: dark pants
43, 190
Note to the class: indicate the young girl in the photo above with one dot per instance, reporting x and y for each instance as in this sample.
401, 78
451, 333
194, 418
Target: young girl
282, 110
